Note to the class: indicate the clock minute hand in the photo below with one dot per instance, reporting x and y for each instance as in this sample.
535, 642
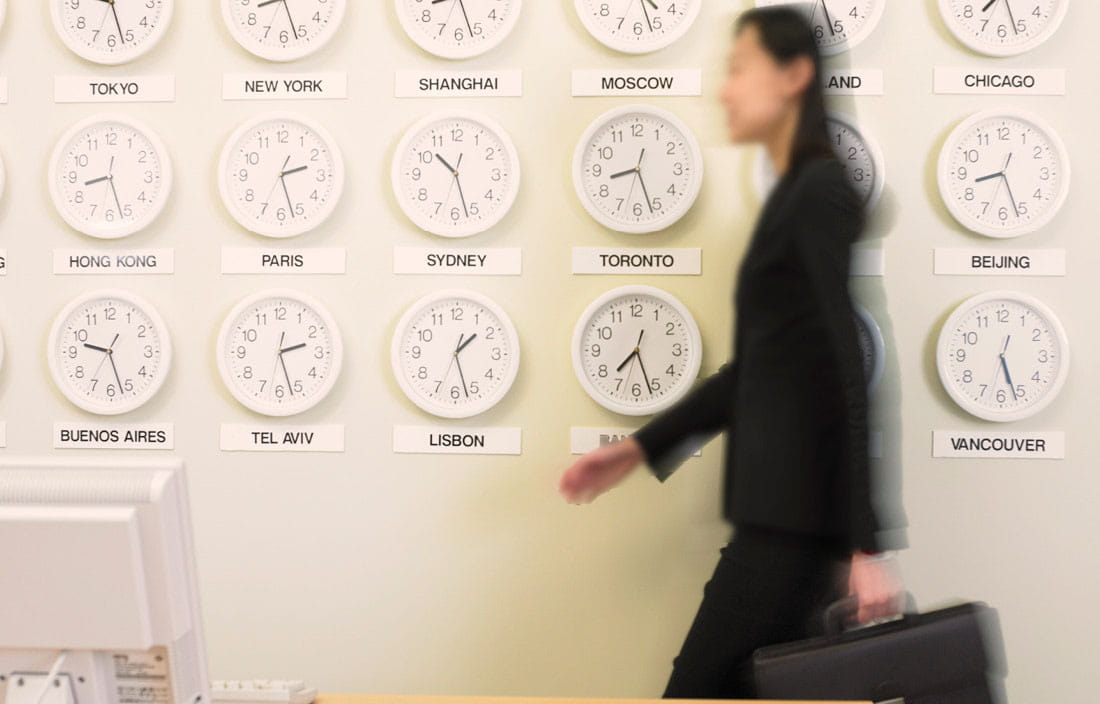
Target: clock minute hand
828, 20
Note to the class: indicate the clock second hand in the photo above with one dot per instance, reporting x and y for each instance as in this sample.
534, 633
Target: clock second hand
641, 180
118, 24
641, 365
275, 366
1004, 365
458, 362
293, 29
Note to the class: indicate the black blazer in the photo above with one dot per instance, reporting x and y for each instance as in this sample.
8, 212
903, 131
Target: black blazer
793, 398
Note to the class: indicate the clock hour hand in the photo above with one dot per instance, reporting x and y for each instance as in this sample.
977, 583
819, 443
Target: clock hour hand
96, 180
625, 172
97, 348
298, 346
988, 5
295, 170
468, 341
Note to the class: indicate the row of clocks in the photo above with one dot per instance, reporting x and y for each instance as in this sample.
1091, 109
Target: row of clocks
112, 32
1001, 355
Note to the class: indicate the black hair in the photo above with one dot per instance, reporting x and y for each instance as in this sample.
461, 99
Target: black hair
785, 33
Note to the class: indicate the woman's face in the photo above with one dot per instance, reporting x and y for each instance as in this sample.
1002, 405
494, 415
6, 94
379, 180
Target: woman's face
758, 92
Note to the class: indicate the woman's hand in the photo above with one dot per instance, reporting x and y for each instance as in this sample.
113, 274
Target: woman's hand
877, 586
600, 470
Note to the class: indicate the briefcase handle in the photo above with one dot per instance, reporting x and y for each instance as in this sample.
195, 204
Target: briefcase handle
843, 611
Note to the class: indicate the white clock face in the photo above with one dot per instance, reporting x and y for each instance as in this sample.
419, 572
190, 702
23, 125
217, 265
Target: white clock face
111, 31
871, 346
283, 30
458, 29
281, 175
1003, 173
279, 352
455, 353
110, 176
1002, 355
1003, 27
456, 173
838, 25
109, 352
636, 350
637, 169
637, 26
855, 148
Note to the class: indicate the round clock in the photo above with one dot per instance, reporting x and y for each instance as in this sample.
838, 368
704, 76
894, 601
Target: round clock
111, 31
1002, 355
110, 176
872, 347
838, 25
636, 350
283, 30
1003, 173
280, 175
109, 351
458, 29
1004, 27
637, 168
455, 173
858, 152
455, 353
279, 352
637, 26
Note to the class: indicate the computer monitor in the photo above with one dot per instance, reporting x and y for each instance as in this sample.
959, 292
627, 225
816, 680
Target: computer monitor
99, 600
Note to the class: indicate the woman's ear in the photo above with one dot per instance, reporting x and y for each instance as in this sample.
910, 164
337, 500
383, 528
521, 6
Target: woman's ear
797, 75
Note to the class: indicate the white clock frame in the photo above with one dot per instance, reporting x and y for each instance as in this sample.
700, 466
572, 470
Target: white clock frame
417, 217
277, 54
105, 231
457, 53
961, 312
619, 44
878, 345
999, 50
81, 50
475, 407
163, 335
690, 196
691, 373
850, 42
943, 163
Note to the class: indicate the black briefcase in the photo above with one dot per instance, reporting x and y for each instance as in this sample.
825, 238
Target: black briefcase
951, 655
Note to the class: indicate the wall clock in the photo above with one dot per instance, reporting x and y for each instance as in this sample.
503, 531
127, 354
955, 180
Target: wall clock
872, 347
1002, 355
456, 173
281, 174
856, 148
111, 31
1003, 172
109, 351
455, 353
279, 352
458, 29
283, 30
1004, 27
637, 168
637, 26
838, 25
636, 350
110, 176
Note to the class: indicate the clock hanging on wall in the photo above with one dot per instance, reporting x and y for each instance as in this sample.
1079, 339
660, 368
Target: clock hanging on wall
283, 30
838, 25
458, 29
109, 351
110, 176
872, 347
1002, 355
1003, 172
1004, 27
111, 31
637, 26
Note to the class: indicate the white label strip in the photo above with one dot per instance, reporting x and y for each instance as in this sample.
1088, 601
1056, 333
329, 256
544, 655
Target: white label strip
668, 81
854, 81
3, 262
261, 260
457, 84
113, 436
1046, 445
3, 434
867, 262
999, 81
444, 439
1005, 262
585, 439
3, 90
109, 89
241, 437
440, 260
285, 86
637, 260
123, 261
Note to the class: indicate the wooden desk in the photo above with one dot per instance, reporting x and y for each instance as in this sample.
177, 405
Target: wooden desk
439, 699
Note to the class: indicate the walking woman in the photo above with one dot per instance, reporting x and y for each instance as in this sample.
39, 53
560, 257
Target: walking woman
797, 484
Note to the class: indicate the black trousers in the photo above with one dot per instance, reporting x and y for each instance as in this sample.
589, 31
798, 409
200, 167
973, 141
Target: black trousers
768, 587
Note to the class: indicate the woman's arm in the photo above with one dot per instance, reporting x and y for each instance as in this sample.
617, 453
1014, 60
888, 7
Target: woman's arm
671, 436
